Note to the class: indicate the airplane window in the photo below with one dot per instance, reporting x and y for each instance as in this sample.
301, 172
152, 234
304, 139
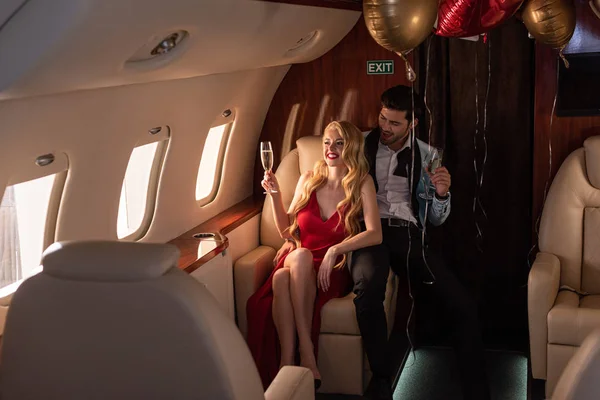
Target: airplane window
136, 205
23, 213
209, 171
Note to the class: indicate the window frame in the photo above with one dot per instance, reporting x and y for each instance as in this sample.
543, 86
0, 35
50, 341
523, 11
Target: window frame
163, 139
52, 214
230, 122
29, 172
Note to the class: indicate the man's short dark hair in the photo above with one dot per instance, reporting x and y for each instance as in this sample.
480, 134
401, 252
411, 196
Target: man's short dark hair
399, 98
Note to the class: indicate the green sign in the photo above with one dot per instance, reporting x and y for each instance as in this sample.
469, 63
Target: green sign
380, 67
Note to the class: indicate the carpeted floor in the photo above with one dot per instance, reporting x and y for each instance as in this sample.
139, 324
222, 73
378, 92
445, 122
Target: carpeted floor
430, 374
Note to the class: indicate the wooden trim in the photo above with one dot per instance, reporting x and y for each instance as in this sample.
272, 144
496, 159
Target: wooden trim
315, 93
219, 225
567, 134
341, 4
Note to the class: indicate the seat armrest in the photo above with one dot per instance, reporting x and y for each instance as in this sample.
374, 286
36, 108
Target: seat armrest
542, 289
249, 273
292, 383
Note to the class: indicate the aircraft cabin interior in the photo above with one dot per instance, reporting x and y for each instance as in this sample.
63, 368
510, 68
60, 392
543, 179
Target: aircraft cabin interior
300, 199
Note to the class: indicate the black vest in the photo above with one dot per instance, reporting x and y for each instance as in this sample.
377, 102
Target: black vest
371, 146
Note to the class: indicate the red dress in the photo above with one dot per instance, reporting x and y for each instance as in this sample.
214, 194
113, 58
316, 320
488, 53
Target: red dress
317, 236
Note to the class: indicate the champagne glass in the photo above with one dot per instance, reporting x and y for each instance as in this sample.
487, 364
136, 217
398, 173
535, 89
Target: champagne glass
436, 159
266, 157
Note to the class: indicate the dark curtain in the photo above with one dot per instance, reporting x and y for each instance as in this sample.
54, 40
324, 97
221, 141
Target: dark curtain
491, 264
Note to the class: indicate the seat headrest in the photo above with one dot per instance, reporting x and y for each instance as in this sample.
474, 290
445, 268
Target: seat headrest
108, 261
310, 151
592, 160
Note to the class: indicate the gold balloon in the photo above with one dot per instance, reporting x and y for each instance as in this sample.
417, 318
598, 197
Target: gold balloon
595, 4
400, 25
551, 22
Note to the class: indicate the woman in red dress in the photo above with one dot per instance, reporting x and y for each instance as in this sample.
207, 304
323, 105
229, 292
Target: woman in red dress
321, 226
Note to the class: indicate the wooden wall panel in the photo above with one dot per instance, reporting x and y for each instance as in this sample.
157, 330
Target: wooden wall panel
333, 87
567, 133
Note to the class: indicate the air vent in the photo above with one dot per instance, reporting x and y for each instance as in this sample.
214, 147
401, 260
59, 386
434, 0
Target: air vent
167, 44
159, 46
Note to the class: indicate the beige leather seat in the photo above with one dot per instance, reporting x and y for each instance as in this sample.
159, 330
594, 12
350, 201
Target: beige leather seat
564, 282
116, 320
580, 379
342, 363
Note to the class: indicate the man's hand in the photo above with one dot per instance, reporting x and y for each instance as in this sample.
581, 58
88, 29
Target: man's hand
441, 181
286, 248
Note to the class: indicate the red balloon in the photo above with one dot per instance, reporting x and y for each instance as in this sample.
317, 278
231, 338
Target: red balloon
461, 18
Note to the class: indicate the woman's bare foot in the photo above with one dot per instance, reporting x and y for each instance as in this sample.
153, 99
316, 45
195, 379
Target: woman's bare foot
307, 360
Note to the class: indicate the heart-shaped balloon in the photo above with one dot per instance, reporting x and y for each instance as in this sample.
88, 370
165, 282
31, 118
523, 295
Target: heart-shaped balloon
461, 18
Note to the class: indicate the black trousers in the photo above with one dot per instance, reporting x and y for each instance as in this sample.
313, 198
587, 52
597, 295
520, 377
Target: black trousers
370, 269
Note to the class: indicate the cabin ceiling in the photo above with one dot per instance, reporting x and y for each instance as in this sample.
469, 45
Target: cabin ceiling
67, 45
67, 88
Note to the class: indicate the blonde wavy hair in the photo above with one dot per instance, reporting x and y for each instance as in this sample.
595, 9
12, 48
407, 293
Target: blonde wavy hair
353, 156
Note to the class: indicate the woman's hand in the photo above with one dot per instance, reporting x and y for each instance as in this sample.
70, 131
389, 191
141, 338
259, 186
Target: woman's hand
285, 249
269, 182
324, 276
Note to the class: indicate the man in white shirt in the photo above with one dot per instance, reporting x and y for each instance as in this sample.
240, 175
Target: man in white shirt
409, 196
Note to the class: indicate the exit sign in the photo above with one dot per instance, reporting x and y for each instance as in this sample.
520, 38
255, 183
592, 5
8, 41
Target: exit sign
380, 67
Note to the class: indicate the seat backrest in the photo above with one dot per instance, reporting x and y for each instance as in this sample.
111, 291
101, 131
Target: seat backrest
117, 320
308, 151
570, 224
579, 380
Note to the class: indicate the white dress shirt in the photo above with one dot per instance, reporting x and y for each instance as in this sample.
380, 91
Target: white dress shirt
393, 194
